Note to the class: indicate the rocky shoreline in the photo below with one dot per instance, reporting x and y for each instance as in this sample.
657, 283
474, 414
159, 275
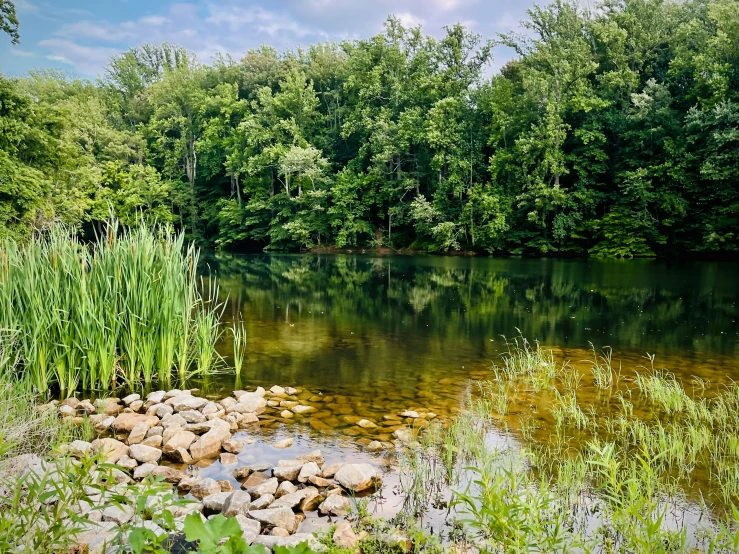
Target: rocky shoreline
168, 435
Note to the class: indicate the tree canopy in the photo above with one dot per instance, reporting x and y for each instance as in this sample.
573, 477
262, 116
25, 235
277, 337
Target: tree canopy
613, 132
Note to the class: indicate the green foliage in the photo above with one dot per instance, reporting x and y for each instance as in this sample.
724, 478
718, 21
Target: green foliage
613, 133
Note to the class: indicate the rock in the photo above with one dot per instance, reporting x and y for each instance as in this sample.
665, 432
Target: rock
128, 400
110, 405
213, 503
102, 423
289, 500
268, 487
287, 470
189, 482
329, 471
136, 405
232, 445
72, 402
228, 459
94, 537
279, 532
174, 420
205, 487
262, 502
256, 478
192, 416
301, 409
260, 467
286, 487
409, 413
155, 397
143, 471
276, 517
308, 470
226, 485
138, 433
209, 444
344, 535
292, 541
238, 503
403, 435
366, 424
285, 443
319, 482
247, 420
160, 410
312, 456
155, 431
110, 449
287, 414
119, 515
335, 505
357, 477
129, 464
277, 390
375, 446
209, 408
67, 411
242, 473
173, 393
311, 500
125, 422
170, 474
86, 407
249, 403
144, 454
250, 528
155, 441
185, 402
79, 449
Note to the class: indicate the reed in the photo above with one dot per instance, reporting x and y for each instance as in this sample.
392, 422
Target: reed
123, 309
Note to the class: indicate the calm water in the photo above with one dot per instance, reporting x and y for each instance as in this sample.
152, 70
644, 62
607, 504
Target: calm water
368, 336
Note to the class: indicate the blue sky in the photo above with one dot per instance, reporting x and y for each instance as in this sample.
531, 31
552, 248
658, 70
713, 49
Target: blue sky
79, 36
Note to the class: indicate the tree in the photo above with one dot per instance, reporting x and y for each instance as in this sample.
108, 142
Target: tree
9, 21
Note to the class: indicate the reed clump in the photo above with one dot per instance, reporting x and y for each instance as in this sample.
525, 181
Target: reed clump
126, 308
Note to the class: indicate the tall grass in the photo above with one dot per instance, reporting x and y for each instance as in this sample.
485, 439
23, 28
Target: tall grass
123, 309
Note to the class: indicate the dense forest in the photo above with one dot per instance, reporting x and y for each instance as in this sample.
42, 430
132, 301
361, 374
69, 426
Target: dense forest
613, 132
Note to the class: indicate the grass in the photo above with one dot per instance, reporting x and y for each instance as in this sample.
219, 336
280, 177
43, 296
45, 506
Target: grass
126, 308
625, 465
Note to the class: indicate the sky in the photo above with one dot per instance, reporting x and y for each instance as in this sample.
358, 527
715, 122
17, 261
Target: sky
79, 36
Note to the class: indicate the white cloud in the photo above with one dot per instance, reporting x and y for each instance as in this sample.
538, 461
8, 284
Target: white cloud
22, 53
409, 20
86, 59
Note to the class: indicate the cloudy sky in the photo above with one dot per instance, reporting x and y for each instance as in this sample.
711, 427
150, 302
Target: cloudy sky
79, 36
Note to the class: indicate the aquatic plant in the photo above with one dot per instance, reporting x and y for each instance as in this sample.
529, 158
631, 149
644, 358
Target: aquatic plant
125, 308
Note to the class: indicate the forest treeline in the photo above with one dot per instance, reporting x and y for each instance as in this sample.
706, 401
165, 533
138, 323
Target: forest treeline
613, 132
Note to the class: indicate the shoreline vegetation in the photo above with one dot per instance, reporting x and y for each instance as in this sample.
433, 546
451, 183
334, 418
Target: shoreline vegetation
611, 133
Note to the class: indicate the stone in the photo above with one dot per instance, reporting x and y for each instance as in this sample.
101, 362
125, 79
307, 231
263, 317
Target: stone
67, 411
160, 410
292, 541
155, 397
319, 482
242, 472
110, 405
260, 467
213, 503
170, 474
268, 487
209, 444
79, 449
276, 517
119, 476
247, 420
287, 470
143, 471
239, 502
110, 449
289, 500
357, 477
286, 487
329, 471
86, 407
155, 441
226, 485
301, 409
409, 413
138, 433
335, 505
209, 408
279, 532
192, 416
188, 483
308, 470
205, 487
185, 402
285, 443
344, 536
249, 403
250, 528
118, 514
262, 502
172, 393
311, 500
233, 445
72, 402
131, 398
136, 405
103, 423
366, 424
287, 414
403, 435
125, 422
375, 446
312, 456
144, 454
277, 390
256, 478
129, 464
174, 420
228, 459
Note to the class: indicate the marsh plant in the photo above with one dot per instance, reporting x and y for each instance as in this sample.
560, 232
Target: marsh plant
126, 308
647, 468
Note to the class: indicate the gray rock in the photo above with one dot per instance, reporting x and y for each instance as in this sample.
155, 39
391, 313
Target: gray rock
358, 477
268, 487
188, 402
313, 456
238, 503
329, 471
262, 502
110, 449
250, 528
286, 487
79, 448
205, 488
138, 433
144, 454
192, 416
143, 471
128, 400
213, 503
289, 500
287, 470
291, 541
285, 443
308, 470
119, 515
335, 505
276, 517
155, 397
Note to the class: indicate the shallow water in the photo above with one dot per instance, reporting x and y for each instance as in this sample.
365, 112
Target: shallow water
370, 336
